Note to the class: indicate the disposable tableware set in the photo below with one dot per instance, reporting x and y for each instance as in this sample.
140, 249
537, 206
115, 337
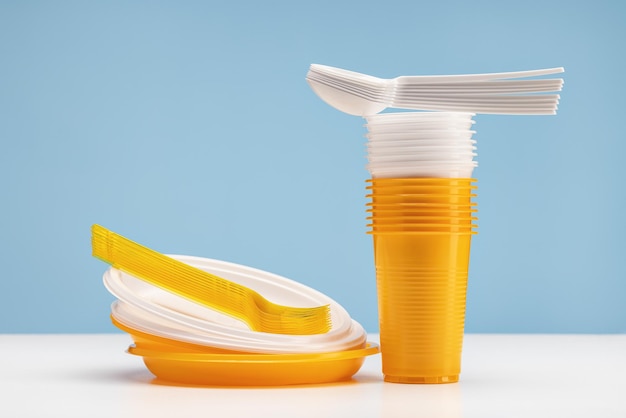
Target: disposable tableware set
208, 322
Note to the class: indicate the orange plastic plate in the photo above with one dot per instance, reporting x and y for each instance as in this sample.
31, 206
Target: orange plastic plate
214, 369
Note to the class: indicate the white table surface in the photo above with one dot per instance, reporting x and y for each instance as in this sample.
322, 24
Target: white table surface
503, 376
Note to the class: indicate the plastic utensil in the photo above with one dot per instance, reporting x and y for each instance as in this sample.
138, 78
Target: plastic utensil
157, 312
360, 94
207, 289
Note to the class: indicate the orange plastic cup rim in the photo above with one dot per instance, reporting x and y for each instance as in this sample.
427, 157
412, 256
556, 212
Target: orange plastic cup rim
398, 200
426, 224
423, 212
379, 185
439, 228
467, 203
377, 207
422, 227
423, 217
403, 207
467, 193
420, 194
420, 218
423, 233
423, 220
426, 187
400, 226
418, 225
449, 200
383, 188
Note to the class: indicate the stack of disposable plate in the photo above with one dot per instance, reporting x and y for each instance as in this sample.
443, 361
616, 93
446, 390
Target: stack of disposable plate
185, 342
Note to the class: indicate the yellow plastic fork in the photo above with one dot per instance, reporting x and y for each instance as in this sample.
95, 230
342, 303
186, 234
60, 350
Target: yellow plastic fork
205, 288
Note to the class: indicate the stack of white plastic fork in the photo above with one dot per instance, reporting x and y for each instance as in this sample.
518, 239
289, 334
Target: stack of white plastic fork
497, 93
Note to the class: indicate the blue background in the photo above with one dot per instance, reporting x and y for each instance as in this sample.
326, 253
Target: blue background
189, 127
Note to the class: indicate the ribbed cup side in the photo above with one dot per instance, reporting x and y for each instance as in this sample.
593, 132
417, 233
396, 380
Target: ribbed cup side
421, 296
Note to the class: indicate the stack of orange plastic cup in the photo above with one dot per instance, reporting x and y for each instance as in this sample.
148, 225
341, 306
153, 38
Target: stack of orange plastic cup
421, 217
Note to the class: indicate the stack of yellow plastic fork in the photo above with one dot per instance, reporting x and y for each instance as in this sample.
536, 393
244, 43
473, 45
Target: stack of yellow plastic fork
207, 289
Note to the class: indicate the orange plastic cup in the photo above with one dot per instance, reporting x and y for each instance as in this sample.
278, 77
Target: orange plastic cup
421, 281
